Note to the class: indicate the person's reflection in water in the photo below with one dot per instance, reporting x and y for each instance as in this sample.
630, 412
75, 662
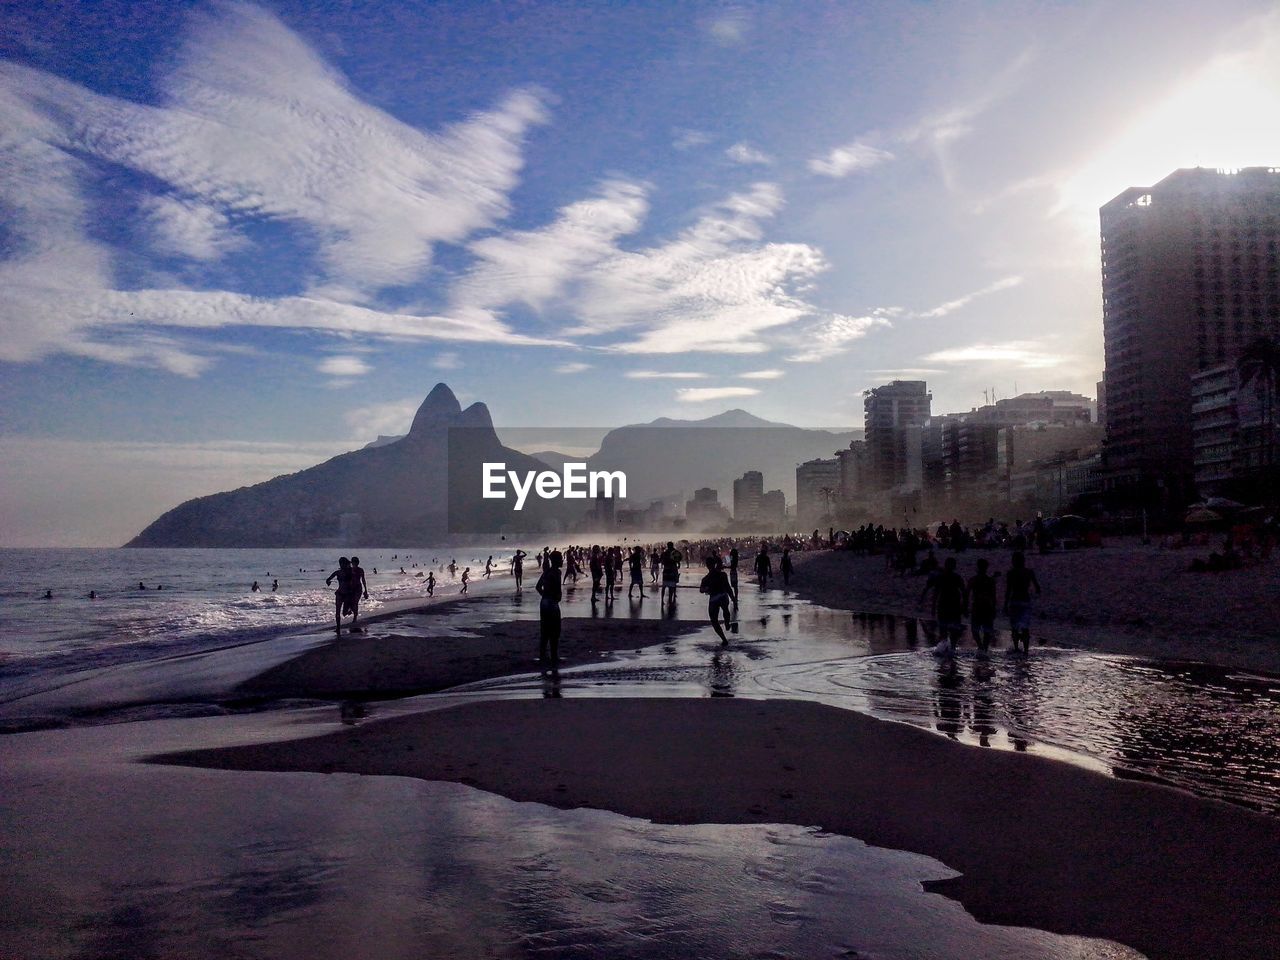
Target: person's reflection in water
722, 670
551, 685
983, 703
948, 700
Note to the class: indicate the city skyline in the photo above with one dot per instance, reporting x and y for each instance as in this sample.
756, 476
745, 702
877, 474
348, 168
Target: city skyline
248, 237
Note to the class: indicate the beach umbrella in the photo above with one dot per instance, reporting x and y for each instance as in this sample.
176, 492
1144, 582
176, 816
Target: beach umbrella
1223, 503
1202, 515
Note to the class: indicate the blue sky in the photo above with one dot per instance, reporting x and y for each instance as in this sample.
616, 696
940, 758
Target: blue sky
239, 238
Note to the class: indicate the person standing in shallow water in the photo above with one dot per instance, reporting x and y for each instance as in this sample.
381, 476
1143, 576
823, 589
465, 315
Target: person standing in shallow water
549, 590
950, 600
764, 565
982, 606
1018, 583
786, 566
517, 569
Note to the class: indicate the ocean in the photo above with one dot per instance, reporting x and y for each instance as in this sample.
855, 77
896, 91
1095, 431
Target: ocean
194, 599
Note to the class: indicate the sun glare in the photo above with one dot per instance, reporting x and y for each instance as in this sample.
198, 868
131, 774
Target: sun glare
1226, 116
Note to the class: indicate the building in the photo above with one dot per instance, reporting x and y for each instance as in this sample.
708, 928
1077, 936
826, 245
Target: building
1231, 422
747, 492
817, 490
888, 411
705, 511
773, 510
1190, 276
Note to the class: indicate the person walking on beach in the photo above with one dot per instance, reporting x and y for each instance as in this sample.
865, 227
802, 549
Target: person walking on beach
466, 577
431, 584
612, 567
982, 606
359, 590
786, 567
764, 565
670, 573
595, 564
517, 569
733, 574
1018, 584
950, 600
340, 598
488, 567
549, 591
716, 586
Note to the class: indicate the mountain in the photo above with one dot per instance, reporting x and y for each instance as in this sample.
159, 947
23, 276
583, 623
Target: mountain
401, 492
382, 441
555, 459
666, 454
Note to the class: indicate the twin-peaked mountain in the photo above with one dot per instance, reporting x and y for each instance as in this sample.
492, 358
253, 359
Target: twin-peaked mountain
396, 492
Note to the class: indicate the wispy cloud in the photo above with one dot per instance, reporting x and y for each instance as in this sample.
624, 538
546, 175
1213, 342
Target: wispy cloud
1024, 353
703, 394
942, 309
762, 375
683, 138
449, 360
848, 159
343, 366
252, 126
729, 27
664, 375
572, 367
833, 335
748, 155
391, 417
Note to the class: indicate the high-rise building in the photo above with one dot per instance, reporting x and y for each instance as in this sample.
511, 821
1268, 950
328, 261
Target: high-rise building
817, 490
1190, 276
889, 411
773, 509
747, 492
705, 509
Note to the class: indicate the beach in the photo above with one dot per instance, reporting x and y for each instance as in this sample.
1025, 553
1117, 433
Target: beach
1125, 597
654, 725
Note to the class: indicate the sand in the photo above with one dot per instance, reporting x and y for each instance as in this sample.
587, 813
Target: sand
1039, 843
382, 665
1122, 598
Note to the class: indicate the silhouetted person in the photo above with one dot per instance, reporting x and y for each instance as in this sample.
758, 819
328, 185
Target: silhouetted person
982, 606
764, 566
716, 585
950, 599
255, 588
786, 567
733, 574
48, 594
549, 590
359, 589
275, 585
340, 599
431, 584
671, 558
1018, 584
595, 564
636, 563
517, 569
488, 567
93, 594
466, 576
141, 585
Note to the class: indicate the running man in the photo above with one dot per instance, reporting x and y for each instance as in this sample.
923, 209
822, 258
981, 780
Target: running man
344, 578
716, 586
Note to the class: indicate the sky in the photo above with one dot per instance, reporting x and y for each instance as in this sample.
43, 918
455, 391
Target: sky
238, 239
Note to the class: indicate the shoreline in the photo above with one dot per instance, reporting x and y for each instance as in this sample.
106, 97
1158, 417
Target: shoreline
1039, 843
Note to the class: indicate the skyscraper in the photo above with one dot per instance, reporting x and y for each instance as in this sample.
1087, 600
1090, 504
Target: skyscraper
747, 492
889, 410
1190, 276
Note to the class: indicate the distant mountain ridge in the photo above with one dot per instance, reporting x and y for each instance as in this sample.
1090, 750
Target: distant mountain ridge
392, 493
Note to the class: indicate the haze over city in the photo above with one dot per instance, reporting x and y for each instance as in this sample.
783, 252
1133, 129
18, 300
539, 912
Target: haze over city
242, 238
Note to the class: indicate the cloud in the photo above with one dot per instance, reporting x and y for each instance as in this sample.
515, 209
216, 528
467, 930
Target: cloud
572, 367
762, 375
252, 126
343, 366
702, 394
190, 228
389, 418
746, 154
661, 375
848, 159
729, 28
833, 335
533, 266
1024, 353
686, 139
951, 306
449, 360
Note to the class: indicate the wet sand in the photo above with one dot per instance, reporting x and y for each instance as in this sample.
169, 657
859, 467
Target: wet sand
381, 665
1039, 843
1122, 598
